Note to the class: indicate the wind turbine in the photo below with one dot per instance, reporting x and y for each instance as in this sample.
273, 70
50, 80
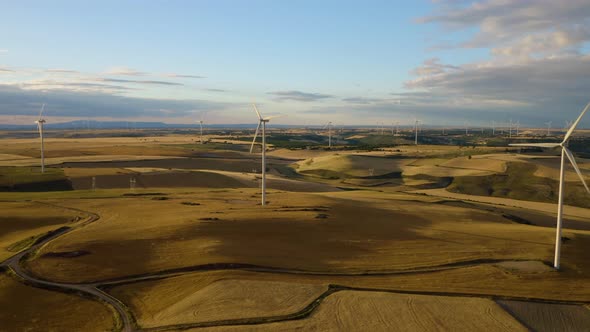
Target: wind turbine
466, 128
416, 131
329, 126
40, 123
567, 125
548, 127
201, 126
565, 152
262, 122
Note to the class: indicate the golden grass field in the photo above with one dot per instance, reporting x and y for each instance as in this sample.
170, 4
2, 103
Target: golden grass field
207, 299
22, 222
26, 308
377, 311
362, 233
349, 240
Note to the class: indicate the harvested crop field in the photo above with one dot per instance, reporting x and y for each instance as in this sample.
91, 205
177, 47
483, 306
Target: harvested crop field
379, 311
168, 302
297, 231
26, 308
347, 165
549, 317
222, 164
167, 179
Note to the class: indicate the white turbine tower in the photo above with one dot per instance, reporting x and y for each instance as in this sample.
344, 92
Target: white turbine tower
262, 123
201, 127
416, 131
40, 122
329, 126
548, 127
565, 152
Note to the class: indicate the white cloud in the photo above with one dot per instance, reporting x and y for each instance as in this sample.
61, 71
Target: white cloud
537, 66
124, 71
299, 95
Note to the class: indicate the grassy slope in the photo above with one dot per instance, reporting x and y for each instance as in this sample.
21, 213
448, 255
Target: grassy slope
358, 234
519, 182
19, 229
14, 177
25, 308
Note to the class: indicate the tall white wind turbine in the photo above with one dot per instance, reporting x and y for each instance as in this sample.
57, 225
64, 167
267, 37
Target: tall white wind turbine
548, 127
40, 122
329, 126
416, 131
262, 123
565, 152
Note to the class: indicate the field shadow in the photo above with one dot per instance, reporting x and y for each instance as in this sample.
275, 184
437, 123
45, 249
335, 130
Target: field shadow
344, 233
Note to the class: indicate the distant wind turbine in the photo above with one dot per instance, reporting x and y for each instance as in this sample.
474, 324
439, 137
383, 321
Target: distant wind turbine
548, 127
565, 152
262, 123
329, 126
201, 126
416, 121
567, 125
40, 122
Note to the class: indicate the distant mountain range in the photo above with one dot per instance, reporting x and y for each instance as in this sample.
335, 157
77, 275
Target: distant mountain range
84, 124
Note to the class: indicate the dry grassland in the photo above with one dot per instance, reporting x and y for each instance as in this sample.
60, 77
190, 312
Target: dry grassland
19, 227
352, 165
169, 302
320, 232
574, 212
376, 311
26, 308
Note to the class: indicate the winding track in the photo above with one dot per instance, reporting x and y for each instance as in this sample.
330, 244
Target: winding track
13, 263
93, 289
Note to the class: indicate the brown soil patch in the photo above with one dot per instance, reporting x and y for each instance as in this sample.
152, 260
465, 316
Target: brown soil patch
549, 317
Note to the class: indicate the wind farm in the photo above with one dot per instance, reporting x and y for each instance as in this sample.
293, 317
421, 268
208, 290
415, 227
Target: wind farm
295, 166
367, 217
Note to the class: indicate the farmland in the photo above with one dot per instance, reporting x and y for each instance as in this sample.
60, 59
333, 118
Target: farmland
171, 235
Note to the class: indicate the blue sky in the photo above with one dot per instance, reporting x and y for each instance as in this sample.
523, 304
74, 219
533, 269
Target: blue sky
346, 61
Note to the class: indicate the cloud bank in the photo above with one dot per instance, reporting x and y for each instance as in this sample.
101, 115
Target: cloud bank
299, 96
538, 66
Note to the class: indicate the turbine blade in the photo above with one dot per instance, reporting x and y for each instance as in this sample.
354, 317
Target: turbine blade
41, 111
573, 127
255, 135
274, 116
570, 156
258, 113
541, 145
